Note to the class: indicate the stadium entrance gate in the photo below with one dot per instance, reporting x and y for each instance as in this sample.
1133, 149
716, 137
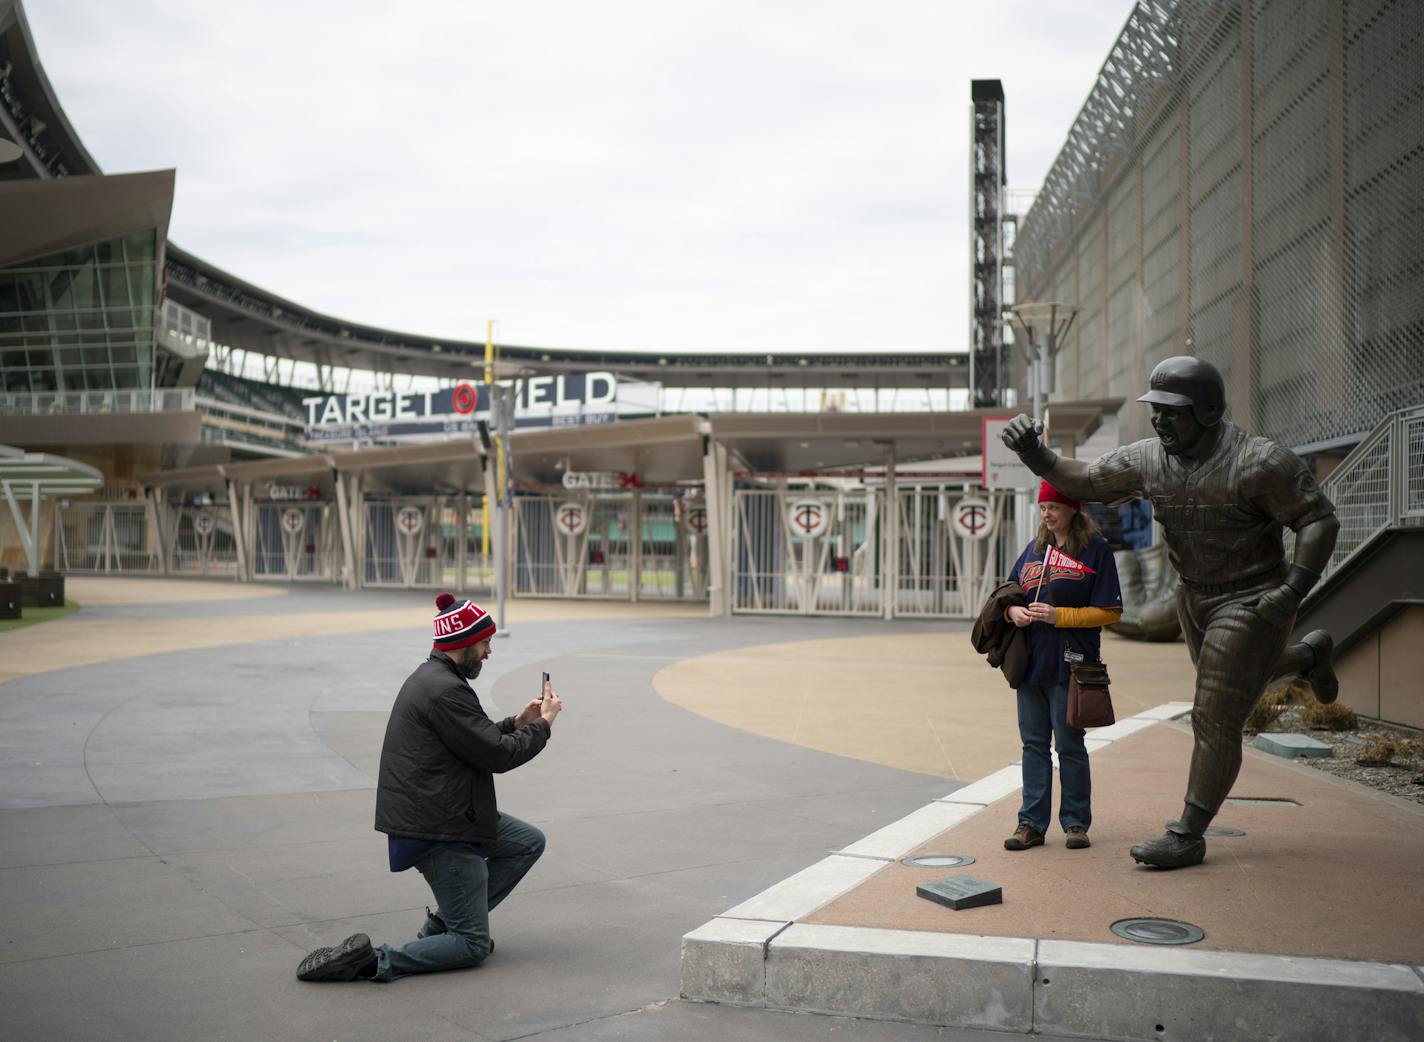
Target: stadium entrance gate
836, 552
633, 545
296, 542
429, 541
953, 547
199, 540
105, 538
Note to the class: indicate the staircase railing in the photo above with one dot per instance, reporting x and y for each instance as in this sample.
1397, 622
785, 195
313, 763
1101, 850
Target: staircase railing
1380, 485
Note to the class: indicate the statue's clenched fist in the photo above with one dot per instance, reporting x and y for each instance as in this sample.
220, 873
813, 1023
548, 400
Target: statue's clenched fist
1022, 434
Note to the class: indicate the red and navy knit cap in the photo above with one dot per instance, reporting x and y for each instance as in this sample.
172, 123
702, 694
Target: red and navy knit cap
460, 623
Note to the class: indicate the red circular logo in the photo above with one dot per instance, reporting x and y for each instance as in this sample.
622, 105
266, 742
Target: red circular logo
464, 398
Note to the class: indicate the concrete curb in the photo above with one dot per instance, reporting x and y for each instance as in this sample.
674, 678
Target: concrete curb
758, 954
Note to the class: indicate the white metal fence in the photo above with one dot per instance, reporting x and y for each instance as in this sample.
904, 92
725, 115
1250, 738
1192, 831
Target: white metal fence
807, 553
608, 545
113, 538
411, 542
295, 542
941, 571
200, 540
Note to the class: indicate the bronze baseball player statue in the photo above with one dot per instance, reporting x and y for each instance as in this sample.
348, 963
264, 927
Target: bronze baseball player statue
1223, 498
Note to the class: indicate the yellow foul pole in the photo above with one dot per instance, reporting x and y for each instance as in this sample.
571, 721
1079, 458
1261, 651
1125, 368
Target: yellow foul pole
489, 398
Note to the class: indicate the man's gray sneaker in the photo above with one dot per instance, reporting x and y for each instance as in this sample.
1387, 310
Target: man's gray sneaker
346, 961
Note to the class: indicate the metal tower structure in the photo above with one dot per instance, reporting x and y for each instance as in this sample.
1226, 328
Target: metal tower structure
989, 371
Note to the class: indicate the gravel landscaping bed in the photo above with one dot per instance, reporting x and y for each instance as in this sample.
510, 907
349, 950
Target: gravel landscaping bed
1403, 776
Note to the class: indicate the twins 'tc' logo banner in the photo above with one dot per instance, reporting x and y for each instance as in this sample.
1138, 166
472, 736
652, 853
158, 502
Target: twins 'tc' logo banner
409, 520
695, 519
808, 518
972, 518
570, 517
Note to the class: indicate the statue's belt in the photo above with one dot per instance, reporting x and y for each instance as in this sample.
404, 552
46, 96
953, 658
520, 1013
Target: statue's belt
1271, 576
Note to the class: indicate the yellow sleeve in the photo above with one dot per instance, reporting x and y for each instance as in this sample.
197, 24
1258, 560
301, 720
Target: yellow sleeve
1086, 618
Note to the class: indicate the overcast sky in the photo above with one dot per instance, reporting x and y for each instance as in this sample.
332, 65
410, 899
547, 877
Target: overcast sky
645, 174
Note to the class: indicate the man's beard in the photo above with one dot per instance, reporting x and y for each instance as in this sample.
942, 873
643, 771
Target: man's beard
470, 667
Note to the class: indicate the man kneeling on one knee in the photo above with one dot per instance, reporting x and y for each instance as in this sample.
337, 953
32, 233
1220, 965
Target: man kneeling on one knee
435, 801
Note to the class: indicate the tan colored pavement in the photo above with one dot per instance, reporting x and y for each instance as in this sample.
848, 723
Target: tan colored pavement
77, 641
1335, 876
101, 591
926, 703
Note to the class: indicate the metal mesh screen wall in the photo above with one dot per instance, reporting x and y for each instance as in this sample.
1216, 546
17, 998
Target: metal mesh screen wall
1257, 167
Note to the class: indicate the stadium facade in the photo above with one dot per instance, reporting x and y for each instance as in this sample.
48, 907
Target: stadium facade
1246, 183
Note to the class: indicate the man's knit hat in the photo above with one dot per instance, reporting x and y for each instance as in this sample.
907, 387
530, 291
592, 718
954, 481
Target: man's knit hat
460, 623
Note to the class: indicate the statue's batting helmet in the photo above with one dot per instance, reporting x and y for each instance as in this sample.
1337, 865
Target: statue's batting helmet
1188, 383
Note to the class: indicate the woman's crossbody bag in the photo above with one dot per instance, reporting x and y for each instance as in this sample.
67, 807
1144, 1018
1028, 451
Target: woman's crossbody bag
1089, 702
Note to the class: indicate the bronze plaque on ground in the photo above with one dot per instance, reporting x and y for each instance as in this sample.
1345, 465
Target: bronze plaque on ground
961, 891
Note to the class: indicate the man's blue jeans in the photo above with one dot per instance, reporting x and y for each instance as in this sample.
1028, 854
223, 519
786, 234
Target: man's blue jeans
466, 887
1043, 714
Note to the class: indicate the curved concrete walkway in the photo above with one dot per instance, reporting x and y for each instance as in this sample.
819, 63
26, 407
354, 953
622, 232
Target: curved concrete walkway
923, 702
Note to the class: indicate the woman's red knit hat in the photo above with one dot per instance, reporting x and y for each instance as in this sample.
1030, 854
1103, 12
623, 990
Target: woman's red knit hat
1048, 494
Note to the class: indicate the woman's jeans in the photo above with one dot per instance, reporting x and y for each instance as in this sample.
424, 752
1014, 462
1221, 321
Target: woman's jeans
1043, 713
466, 886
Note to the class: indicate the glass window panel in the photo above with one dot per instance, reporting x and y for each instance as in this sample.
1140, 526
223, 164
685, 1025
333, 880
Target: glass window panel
116, 286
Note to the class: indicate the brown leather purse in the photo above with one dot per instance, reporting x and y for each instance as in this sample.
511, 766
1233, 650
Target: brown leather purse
1089, 702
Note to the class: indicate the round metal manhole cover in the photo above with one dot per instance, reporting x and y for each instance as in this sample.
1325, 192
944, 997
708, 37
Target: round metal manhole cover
1158, 931
1223, 830
938, 861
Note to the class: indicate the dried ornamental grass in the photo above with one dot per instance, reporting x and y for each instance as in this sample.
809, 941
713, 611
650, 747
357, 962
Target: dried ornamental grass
1333, 717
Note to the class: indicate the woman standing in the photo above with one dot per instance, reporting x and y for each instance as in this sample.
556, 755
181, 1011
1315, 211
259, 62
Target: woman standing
1067, 609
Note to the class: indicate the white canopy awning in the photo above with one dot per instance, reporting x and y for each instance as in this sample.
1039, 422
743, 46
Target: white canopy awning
34, 475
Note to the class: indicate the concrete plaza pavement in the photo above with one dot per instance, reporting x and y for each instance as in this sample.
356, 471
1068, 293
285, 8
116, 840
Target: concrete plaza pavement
186, 793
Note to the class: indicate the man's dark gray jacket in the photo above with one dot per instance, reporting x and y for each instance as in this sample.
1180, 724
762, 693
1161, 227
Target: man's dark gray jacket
440, 756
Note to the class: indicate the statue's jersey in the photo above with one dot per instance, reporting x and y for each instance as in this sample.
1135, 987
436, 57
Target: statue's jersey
1223, 519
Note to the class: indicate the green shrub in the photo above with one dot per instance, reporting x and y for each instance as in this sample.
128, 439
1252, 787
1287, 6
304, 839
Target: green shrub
1332, 717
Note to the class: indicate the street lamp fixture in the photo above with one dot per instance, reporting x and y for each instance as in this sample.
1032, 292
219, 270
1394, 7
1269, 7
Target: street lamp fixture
1043, 324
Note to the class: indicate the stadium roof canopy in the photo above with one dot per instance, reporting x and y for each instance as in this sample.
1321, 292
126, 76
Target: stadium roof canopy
659, 451
254, 319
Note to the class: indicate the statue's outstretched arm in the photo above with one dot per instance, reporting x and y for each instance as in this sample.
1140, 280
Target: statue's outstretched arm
1069, 476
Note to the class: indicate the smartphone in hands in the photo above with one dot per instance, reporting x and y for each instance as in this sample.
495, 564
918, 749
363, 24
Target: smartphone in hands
544, 690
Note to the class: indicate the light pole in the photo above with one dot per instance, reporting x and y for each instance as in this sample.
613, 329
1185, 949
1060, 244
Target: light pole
1044, 324
502, 419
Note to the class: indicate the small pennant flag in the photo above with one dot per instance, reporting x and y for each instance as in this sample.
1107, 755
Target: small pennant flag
1056, 558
